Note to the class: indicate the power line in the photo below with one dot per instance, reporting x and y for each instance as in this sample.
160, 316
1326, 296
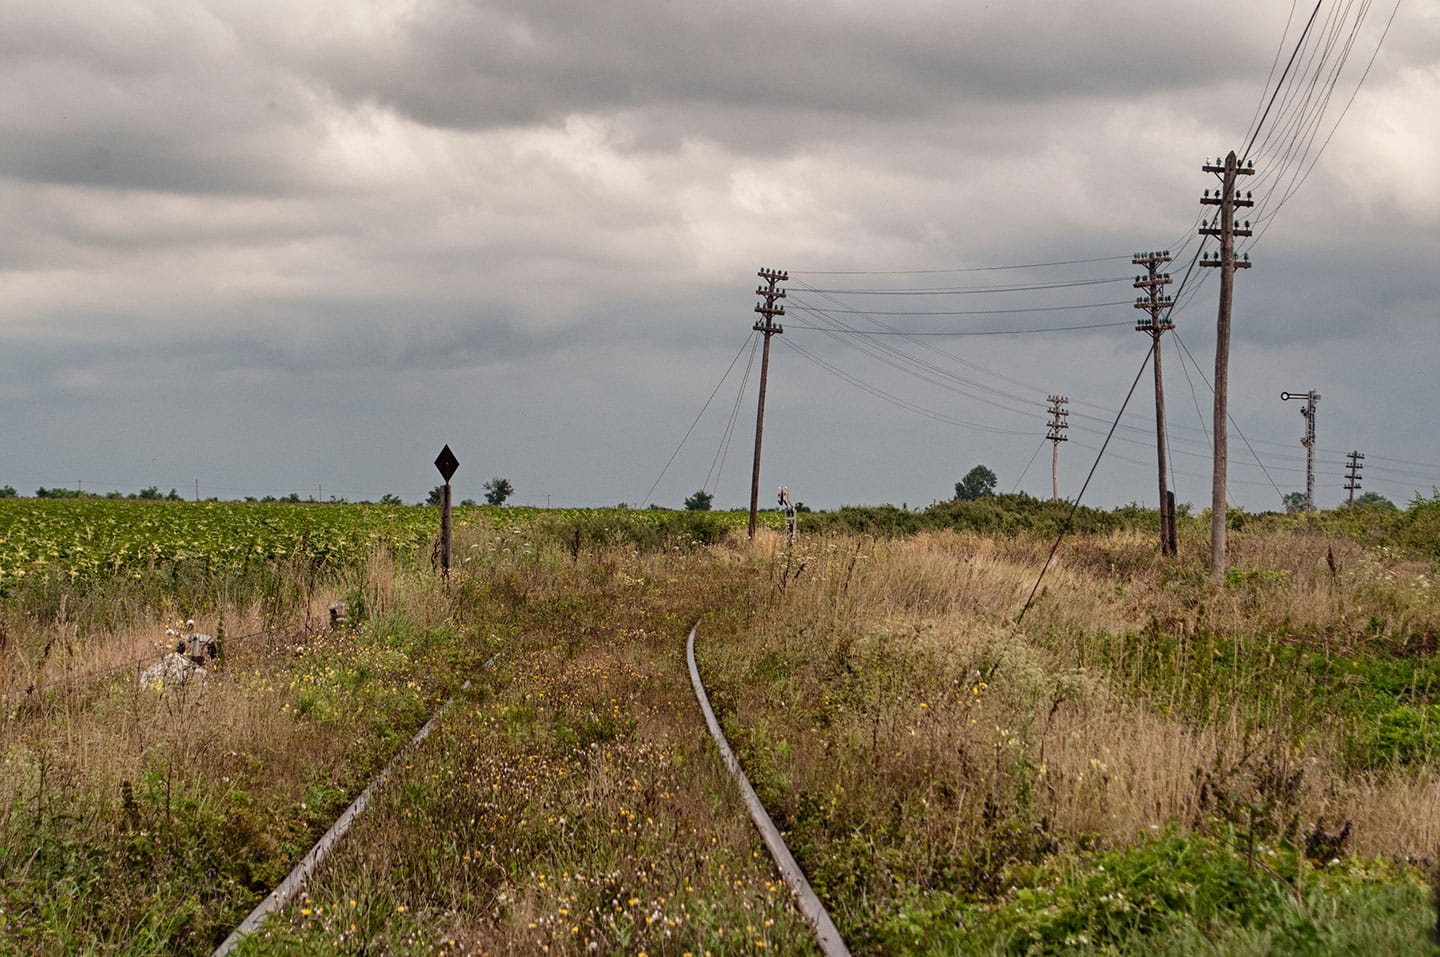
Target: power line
1033, 456
1076, 504
1230, 418
896, 400
951, 332
1246, 151
960, 269
1267, 216
802, 307
717, 464
970, 290
1279, 49
713, 393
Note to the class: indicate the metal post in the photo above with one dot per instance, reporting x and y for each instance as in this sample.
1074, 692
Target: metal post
1307, 440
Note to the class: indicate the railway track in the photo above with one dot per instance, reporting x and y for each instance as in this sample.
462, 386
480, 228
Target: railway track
299, 877
826, 934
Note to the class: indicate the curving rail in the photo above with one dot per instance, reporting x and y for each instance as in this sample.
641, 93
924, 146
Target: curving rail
814, 912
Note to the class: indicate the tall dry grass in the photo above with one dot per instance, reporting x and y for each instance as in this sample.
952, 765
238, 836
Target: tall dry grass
896, 670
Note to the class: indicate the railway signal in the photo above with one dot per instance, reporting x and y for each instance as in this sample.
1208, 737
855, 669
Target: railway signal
1308, 440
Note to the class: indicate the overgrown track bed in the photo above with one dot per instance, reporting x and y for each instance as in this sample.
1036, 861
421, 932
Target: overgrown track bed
574, 804
1152, 764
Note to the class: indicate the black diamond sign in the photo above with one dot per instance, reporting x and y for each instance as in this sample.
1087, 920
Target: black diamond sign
447, 463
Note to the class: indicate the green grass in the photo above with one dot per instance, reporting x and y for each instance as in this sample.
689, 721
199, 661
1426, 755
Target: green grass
1179, 894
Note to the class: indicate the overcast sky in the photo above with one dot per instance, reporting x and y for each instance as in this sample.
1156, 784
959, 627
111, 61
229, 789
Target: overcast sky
297, 247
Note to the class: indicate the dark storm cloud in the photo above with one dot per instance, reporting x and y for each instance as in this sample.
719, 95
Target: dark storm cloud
478, 65
133, 96
289, 223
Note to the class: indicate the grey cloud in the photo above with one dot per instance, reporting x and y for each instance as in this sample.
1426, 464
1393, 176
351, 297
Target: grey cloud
318, 222
476, 65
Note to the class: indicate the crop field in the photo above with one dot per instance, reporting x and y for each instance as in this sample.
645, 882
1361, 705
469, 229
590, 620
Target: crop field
75, 538
1147, 762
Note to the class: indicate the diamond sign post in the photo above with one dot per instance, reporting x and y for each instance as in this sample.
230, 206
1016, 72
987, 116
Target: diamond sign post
447, 463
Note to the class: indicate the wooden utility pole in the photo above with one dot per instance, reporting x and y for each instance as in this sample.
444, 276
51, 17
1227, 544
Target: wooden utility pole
1307, 440
1227, 198
766, 326
1352, 481
1056, 434
1158, 307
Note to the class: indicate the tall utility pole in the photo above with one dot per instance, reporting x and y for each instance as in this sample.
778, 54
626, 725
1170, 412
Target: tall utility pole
1158, 307
1056, 434
1308, 440
1227, 198
766, 326
1352, 481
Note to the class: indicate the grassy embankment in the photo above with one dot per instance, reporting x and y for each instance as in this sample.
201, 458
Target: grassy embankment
1148, 763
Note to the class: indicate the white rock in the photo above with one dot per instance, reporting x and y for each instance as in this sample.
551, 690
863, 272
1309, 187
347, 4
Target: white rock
173, 671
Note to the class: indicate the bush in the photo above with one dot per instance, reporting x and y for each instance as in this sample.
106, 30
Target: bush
1000, 514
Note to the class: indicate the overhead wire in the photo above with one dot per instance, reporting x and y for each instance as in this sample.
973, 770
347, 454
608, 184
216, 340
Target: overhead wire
1245, 153
1267, 215
1231, 419
1284, 131
872, 347
957, 269
894, 399
973, 290
1033, 455
717, 464
1279, 50
801, 306
898, 357
954, 332
1069, 519
1300, 128
713, 393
